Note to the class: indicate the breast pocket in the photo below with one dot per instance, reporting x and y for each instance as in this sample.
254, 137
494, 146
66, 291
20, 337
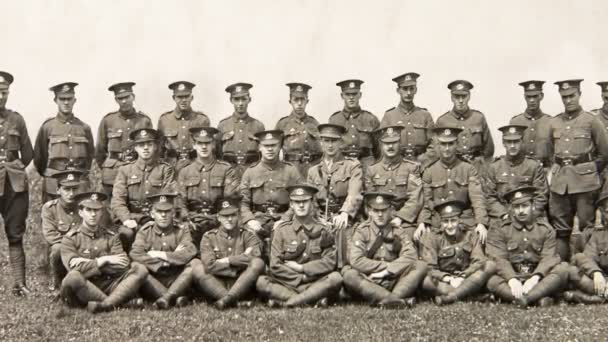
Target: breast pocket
192, 185
378, 183
339, 187
227, 141
401, 185
514, 252
476, 136
258, 195
58, 147
315, 249
133, 186
503, 184
216, 184
79, 147
13, 142
291, 250
419, 133
439, 190
114, 141
365, 136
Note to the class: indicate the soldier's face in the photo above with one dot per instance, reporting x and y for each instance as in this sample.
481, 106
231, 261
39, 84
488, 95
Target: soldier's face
162, 218
447, 149
522, 212
125, 102
390, 149
533, 101
407, 93
380, 217
203, 149
65, 103
240, 103
3, 97
461, 102
351, 99
67, 193
91, 217
229, 222
572, 101
183, 101
330, 146
270, 151
301, 208
604, 98
298, 103
145, 150
450, 225
512, 147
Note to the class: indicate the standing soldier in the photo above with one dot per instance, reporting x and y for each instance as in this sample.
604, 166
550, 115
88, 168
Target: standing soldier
602, 113
301, 146
581, 152
237, 132
174, 125
417, 123
15, 154
359, 142
114, 147
64, 142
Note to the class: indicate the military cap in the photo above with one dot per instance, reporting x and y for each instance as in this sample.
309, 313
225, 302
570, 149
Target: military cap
143, 135
300, 89
568, 87
122, 89
460, 87
532, 87
604, 86
68, 177
239, 89
331, 131
92, 200
64, 88
274, 136
389, 134
203, 134
182, 87
520, 194
447, 134
407, 79
301, 191
350, 85
229, 205
449, 208
162, 200
6, 80
512, 132
378, 200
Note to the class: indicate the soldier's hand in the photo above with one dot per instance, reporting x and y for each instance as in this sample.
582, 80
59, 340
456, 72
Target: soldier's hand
158, 255
516, 288
456, 281
180, 248
131, 224
505, 216
530, 283
254, 225
396, 222
483, 233
248, 250
294, 266
340, 221
74, 262
599, 283
379, 275
420, 231
225, 261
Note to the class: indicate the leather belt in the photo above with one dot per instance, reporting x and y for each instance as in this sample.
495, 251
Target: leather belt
125, 156
63, 164
241, 159
271, 208
412, 152
201, 207
302, 157
525, 268
585, 158
357, 153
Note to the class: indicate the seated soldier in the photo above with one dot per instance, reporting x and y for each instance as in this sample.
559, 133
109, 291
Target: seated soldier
302, 257
100, 275
524, 249
385, 269
166, 249
231, 259
458, 267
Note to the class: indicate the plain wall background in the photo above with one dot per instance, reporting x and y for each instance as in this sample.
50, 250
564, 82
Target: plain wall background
493, 44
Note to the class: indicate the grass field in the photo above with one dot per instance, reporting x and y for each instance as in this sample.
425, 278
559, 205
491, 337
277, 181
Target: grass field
37, 318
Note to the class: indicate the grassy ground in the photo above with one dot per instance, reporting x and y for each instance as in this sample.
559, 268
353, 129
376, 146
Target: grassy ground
39, 319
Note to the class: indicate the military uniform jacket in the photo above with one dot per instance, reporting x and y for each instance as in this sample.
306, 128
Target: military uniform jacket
152, 238
446, 255
310, 245
360, 125
459, 181
537, 141
403, 180
595, 256
134, 182
15, 150
519, 249
174, 128
342, 181
504, 175
475, 137
602, 115
237, 134
58, 218
417, 123
300, 135
265, 183
574, 137
220, 243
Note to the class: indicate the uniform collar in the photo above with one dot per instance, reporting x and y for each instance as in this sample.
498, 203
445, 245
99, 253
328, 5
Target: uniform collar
464, 115
203, 166
90, 232
520, 225
238, 117
67, 206
406, 109
65, 117
534, 115
142, 165
379, 230
334, 165
297, 119
516, 160
459, 236
604, 111
271, 165
297, 225
390, 165
159, 231
179, 114
568, 116
127, 115
351, 114
3, 113
451, 165
229, 234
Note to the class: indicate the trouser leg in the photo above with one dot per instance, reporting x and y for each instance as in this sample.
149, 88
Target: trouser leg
549, 285
408, 283
370, 291
58, 271
208, 284
77, 291
561, 212
128, 287
247, 279
325, 287
498, 286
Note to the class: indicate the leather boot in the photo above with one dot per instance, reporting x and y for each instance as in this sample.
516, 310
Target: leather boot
57, 270
77, 291
409, 283
563, 248
244, 284
124, 291
179, 286
469, 286
370, 291
577, 296
16, 257
546, 287
322, 288
500, 288
272, 290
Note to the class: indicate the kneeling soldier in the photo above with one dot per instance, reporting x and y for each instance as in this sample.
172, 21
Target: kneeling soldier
231, 259
385, 269
302, 257
166, 249
524, 249
458, 266
100, 273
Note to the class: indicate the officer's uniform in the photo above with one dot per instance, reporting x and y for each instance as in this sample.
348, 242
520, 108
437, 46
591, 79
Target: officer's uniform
312, 246
602, 113
228, 282
64, 142
169, 276
114, 147
417, 123
174, 126
301, 145
15, 154
374, 249
101, 288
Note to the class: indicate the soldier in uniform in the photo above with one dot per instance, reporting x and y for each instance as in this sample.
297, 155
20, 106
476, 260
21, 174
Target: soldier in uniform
581, 152
174, 126
203, 183
602, 112
166, 249
114, 147
417, 123
303, 257
301, 146
100, 275
385, 269
359, 142
64, 142
458, 266
237, 132
398, 176
136, 181
231, 259
15, 154
528, 266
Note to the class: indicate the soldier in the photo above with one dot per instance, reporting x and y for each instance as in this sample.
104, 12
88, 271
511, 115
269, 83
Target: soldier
231, 259
301, 146
167, 251
528, 266
174, 125
136, 181
100, 275
237, 132
458, 266
203, 183
385, 267
303, 257
15, 154
114, 147
581, 151
475, 144
359, 142
64, 142
398, 176
417, 134
602, 112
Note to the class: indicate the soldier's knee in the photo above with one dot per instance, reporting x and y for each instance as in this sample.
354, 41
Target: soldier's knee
125, 233
262, 284
55, 253
494, 282
73, 280
257, 264
350, 277
421, 266
334, 279
578, 258
490, 267
139, 270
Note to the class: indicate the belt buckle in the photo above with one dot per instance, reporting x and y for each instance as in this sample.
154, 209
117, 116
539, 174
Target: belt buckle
567, 162
184, 155
525, 268
240, 159
306, 158
3, 158
271, 210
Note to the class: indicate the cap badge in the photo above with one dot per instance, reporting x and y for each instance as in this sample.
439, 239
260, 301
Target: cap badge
299, 88
565, 85
379, 199
162, 199
448, 209
70, 177
225, 204
203, 133
181, 86
408, 77
518, 194
532, 86
460, 86
238, 88
2, 79
65, 88
299, 191
94, 197
512, 130
447, 132
351, 85
143, 133
268, 136
389, 131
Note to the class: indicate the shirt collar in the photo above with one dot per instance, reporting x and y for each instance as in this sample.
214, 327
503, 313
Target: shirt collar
406, 109
179, 114
65, 117
90, 232
297, 119
203, 166
351, 114
142, 165
159, 231
464, 115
